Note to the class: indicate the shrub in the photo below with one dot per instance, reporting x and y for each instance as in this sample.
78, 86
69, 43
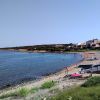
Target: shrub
23, 92
48, 84
33, 90
92, 81
7, 95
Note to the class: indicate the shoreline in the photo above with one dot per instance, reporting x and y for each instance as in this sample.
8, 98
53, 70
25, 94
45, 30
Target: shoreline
29, 80
55, 76
42, 79
44, 51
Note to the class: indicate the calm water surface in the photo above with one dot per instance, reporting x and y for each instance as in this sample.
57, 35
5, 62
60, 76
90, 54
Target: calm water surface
16, 67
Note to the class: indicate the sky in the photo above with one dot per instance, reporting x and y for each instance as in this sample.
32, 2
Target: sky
32, 22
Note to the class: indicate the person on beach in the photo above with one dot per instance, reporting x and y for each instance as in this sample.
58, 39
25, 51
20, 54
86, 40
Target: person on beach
66, 70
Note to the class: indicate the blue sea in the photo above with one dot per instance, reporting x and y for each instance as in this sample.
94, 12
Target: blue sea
18, 67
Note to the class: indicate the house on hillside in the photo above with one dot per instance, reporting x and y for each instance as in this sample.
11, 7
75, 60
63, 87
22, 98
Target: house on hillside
95, 43
81, 45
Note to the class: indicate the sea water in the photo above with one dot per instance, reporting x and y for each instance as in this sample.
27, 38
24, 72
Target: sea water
17, 67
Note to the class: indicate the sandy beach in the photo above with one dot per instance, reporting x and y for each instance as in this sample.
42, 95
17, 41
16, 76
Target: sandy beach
59, 75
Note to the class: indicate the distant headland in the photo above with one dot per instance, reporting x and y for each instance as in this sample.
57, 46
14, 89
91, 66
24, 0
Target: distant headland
71, 47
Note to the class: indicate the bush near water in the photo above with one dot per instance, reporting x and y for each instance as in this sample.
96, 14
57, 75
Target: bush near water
48, 84
92, 81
